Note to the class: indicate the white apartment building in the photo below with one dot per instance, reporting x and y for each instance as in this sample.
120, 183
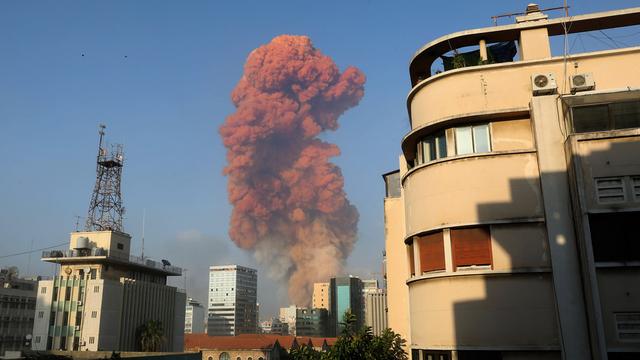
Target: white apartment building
194, 317
232, 303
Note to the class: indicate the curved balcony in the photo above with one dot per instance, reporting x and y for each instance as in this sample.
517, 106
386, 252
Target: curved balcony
472, 189
505, 88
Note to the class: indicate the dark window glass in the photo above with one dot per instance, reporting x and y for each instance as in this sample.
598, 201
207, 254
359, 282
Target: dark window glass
67, 293
65, 318
625, 115
63, 343
55, 293
614, 236
603, 117
432, 147
590, 118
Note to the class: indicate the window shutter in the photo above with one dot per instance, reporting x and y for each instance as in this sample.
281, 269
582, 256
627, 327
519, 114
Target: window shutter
471, 246
431, 252
635, 184
628, 327
610, 190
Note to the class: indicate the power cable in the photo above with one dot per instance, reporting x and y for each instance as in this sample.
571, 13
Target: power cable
32, 251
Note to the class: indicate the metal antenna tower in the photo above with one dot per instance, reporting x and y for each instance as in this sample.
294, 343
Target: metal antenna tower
106, 210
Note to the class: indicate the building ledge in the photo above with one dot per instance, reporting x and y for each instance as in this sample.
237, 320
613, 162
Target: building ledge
481, 272
464, 157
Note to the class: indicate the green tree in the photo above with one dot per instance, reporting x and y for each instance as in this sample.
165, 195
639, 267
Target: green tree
357, 344
151, 335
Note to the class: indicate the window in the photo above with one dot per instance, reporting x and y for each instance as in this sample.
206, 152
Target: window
92, 340
65, 318
610, 190
92, 274
436, 355
96, 289
52, 318
614, 236
472, 139
63, 343
94, 314
40, 314
43, 290
431, 252
67, 293
628, 326
38, 338
471, 247
120, 246
412, 264
603, 117
55, 294
224, 356
432, 147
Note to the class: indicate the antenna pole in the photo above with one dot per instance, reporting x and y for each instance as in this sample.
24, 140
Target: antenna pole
144, 215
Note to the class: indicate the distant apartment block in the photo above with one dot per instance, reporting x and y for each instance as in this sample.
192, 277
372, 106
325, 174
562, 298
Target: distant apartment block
288, 315
375, 310
311, 322
103, 296
511, 224
17, 310
346, 295
274, 326
194, 317
232, 303
321, 296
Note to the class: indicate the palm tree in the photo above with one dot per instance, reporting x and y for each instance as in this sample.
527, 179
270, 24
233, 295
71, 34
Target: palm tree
151, 335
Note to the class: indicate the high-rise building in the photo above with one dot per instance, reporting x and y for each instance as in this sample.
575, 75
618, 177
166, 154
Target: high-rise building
517, 199
194, 317
232, 300
103, 295
321, 296
346, 295
17, 310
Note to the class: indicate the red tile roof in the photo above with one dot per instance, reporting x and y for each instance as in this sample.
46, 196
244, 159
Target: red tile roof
250, 341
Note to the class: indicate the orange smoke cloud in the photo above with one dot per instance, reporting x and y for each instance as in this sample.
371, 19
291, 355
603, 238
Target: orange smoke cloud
289, 204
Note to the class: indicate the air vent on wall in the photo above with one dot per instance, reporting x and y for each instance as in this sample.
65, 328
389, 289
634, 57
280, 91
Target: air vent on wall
610, 190
582, 82
628, 326
543, 84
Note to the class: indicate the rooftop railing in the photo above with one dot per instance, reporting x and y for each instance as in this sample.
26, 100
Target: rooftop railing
146, 262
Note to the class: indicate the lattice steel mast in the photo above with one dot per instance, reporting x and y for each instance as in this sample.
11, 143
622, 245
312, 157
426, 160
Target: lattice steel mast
106, 210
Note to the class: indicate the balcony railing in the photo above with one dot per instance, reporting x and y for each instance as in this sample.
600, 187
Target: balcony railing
146, 262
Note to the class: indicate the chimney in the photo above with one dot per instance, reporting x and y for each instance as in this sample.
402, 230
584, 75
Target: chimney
532, 13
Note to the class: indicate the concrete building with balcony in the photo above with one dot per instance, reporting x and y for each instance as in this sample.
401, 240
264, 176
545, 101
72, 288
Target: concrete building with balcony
103, 295
510, 225
17, 310
194, 317
232, 306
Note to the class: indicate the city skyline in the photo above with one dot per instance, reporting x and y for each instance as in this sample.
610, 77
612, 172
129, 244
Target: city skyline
164, 100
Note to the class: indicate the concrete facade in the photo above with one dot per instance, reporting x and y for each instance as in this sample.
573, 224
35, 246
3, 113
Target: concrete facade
515, 199
194, 317
232, 305
17, 311
103, 296
375, 310
321, 296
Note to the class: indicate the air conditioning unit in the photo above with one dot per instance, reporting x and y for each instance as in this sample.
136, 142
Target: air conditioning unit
543, 84
77, 327
79, 302
582, 82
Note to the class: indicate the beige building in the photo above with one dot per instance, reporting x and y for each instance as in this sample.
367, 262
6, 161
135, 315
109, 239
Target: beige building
375, 310
510, 224
321, 296
103, 295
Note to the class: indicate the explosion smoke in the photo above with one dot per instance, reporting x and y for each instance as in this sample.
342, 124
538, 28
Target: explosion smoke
289, 205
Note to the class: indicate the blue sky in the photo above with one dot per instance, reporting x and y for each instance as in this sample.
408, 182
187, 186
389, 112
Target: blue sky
159, 74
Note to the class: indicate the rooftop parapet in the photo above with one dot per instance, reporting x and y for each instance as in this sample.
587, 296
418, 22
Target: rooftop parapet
420, 65
102, 254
